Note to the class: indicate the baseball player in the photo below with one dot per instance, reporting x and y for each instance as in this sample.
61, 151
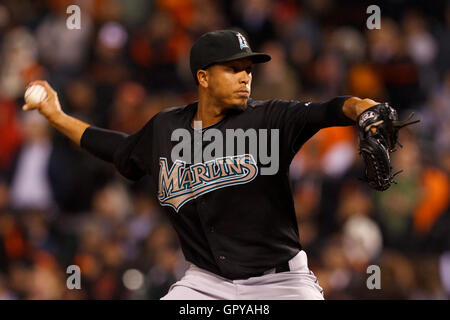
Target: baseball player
236, 225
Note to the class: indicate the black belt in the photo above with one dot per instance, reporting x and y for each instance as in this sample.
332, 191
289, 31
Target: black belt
283, 267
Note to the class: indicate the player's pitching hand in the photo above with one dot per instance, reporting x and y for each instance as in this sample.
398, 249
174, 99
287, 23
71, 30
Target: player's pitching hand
46, 103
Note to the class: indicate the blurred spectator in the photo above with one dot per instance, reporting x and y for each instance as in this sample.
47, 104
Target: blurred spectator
30, 185
398, 280
62, 50
19, 51
434, 200
46, 279
254, 17
275, 79
399, 72
5, 292
365, 81
10, 132
162, 247
395, 207
420, 43
128, 108
444, 272
81, 100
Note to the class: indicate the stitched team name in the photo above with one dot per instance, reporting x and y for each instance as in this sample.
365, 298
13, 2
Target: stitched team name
179, 184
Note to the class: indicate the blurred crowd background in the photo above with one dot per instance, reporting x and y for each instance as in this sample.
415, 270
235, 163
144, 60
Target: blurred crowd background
60, 206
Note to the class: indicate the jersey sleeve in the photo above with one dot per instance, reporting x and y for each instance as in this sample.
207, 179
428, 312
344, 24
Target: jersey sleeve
328, 114
101, 143
299, 121
126, 152
132, 157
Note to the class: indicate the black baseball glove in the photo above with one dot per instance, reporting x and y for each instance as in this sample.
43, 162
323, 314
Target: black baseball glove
378, 129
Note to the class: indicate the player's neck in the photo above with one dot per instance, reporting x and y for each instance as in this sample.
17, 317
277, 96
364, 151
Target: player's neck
209, 112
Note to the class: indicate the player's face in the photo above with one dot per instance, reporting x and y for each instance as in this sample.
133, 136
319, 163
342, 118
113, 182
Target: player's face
229, 82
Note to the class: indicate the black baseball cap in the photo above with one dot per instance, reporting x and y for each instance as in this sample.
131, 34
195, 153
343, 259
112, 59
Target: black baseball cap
221, 46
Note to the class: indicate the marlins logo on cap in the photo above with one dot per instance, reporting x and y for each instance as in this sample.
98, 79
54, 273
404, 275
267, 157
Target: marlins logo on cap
220, 46
242, 41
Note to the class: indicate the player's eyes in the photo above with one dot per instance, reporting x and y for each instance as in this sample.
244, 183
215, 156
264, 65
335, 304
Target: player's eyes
235, 69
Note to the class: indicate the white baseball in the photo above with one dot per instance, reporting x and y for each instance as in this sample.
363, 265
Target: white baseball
35, 95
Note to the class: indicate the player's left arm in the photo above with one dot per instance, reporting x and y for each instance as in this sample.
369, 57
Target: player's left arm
337, 112
354, 106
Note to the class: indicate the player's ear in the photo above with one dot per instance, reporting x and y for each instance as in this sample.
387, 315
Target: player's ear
202, 77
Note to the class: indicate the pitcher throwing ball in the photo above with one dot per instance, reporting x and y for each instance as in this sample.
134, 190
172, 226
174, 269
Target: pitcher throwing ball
226, 188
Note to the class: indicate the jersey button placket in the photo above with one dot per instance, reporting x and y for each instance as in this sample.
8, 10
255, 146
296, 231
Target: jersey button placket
202, 208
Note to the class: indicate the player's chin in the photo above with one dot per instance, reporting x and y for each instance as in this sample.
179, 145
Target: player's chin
239, 103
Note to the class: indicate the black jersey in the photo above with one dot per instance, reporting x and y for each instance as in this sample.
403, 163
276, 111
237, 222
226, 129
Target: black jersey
230, 217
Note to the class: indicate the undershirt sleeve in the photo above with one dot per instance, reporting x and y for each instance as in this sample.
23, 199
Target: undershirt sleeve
328, 114
128, 153
102, 143
322, 115
299, 121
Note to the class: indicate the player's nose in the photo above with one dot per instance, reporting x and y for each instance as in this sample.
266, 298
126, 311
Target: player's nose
244, 77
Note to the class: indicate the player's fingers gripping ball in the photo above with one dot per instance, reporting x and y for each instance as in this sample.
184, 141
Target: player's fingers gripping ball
34, 95
378, 129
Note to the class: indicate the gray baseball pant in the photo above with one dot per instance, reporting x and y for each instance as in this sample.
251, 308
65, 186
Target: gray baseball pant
297, 284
